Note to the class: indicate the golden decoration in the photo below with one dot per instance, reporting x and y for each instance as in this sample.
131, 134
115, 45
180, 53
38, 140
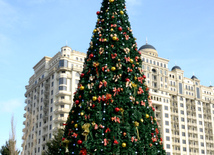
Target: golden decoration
76, 125
113, 68
95, 30
136, 124
121, 12
147, 115
94, 98
93, 123
141, 120
123, 144
131, 61
114, 38
66, 142
82, 88
111, 1
86, 131
82, 113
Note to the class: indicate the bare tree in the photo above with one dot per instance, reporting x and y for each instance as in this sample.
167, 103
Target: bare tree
12, 139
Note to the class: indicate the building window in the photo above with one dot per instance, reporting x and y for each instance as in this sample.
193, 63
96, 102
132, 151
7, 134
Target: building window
199, 109
51, 92
182, 112
184, 149
201, 136
168, 146
199, 115
166, 115
182, 105
202, 151
183, 133
184, 141
166, 107
62, 88
52, 84
183, 126
167, 122
202, 144
198, 92
38, 149
62, 81
182, 119
50, 118
61, 115
201, 129
167, 130
200, 122
51, 109
180, 88
40, 124
52, 76
50, 127
63, 63
167, 138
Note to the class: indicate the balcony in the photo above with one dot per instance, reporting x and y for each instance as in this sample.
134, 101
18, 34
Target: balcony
63, 101
24, 115
60, 119
62, 110
24, 122
25, 100
24, 129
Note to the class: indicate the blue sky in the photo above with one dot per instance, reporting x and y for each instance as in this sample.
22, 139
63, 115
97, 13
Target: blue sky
181, 31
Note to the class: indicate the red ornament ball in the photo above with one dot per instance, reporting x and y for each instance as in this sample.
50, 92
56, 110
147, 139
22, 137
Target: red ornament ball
91, 55
63, 139
77, 101
144, 76
98, 12
82, 74
117, 109
120, 28
116, 142
79, 142
127, 79
93, 105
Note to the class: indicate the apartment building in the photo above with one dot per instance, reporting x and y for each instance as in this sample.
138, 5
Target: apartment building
48, 97
184, 108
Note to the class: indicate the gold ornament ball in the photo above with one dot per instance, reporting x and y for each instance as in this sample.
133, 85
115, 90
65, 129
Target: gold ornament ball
76, 125
155, 119
123, 144
147, 115
111, 1
82, 88
114, 38
113, 68
82, 113
95, 31
111, 29
94, 98
93, 123
131, 60
121, 12
135, 78
141, 120
105, 40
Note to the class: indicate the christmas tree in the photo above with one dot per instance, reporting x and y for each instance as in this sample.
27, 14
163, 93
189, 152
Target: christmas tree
112, 112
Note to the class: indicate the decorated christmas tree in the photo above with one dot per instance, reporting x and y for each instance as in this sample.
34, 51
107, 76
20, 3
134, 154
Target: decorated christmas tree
112, 112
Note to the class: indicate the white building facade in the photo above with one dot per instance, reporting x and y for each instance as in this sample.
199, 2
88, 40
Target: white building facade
184, 108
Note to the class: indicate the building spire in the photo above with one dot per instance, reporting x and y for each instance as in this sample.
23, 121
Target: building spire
66, 43
146, 41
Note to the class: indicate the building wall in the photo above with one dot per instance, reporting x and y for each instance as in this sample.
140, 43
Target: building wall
184, 108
